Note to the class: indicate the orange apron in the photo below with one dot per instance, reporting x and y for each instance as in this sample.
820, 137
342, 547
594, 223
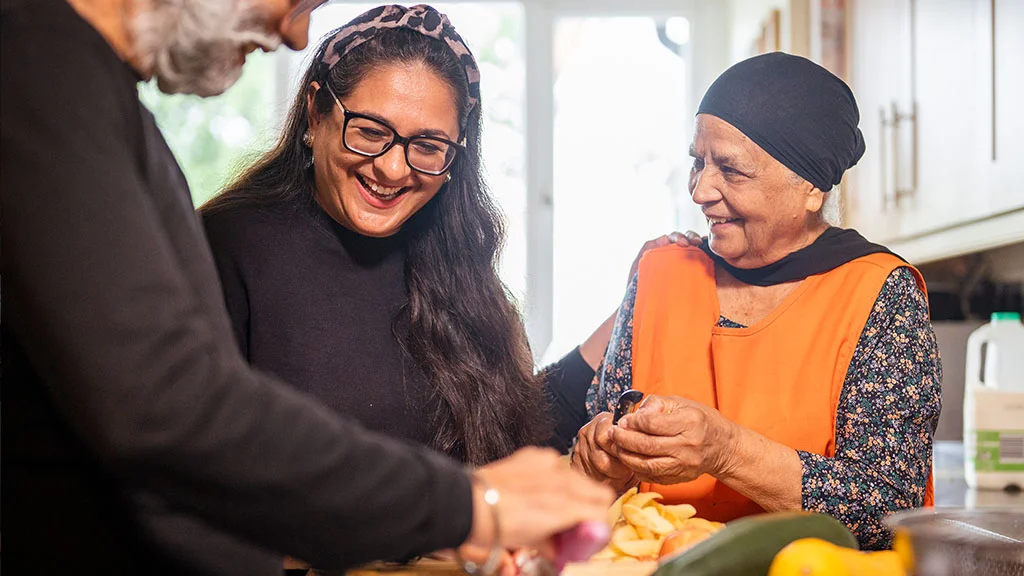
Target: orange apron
781, 377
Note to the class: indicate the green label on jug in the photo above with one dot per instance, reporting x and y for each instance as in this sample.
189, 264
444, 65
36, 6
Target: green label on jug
999, 451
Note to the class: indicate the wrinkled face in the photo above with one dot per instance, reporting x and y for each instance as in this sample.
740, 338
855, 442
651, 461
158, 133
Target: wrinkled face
199, 46
758, 211
375, 196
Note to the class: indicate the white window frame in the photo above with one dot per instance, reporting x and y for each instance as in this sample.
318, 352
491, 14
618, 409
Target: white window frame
708, 25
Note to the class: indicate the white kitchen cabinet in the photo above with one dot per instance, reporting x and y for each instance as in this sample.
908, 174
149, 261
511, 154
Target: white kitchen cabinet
949, 170
1007, 167
880, 79
948, 74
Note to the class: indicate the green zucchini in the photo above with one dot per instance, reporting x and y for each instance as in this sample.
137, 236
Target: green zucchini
746, 547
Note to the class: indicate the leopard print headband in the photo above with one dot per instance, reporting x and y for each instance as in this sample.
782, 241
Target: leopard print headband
420, 18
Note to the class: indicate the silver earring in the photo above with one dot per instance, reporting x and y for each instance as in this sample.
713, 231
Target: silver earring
307, 139
447, 177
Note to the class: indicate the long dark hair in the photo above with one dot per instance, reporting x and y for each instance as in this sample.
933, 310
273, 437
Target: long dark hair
464, 331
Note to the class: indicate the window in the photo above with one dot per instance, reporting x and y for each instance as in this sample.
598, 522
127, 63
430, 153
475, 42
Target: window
620, 160
588, 109
213, 137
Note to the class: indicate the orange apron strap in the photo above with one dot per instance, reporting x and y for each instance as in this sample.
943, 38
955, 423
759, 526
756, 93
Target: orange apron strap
929, 492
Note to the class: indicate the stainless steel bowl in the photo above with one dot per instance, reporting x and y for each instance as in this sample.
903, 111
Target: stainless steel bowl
961, 542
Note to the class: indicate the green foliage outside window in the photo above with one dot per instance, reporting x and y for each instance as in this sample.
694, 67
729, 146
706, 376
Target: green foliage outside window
213, 138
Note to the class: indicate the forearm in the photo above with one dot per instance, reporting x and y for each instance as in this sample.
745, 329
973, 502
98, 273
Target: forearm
592, 349
765, 471
861, 493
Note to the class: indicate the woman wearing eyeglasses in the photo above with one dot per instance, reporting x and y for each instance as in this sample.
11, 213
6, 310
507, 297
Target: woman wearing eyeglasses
363, 248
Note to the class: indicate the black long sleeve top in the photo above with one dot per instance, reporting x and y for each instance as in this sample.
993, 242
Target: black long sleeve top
136, 439
321, 307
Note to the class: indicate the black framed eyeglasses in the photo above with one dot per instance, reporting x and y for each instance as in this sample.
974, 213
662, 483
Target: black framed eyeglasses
370, 137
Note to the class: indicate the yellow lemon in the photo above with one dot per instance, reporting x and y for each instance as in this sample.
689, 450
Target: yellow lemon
808, 557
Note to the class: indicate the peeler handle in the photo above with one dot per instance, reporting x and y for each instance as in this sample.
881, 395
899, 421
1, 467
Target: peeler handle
629, 400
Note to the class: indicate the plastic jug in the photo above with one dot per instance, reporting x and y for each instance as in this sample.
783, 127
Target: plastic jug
994, 404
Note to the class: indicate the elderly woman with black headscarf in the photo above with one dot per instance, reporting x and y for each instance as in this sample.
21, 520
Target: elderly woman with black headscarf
787, 363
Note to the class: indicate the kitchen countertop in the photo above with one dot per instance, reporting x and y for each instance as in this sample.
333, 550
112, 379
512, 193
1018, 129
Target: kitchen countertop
951, 489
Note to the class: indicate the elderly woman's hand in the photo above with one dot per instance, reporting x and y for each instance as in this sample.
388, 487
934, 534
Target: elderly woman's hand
593, 455
671, 440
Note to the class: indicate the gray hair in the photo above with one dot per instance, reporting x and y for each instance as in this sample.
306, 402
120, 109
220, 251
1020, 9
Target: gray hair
831, 211
192, 46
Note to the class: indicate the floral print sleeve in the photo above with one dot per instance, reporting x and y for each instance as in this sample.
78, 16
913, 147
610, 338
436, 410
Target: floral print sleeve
615, 374
885, 421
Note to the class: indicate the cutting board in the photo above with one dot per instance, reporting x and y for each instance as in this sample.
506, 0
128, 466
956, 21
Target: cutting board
443, 568
610, 569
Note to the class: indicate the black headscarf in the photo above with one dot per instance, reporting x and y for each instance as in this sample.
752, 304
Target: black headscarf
806, 118
798, 112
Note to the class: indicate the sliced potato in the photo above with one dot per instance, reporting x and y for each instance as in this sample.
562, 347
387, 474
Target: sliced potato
633, 515
642, 499
615, 512
639, 548
647, 518
624, 533
644, 533
659, 525
641, 526
606, 553
678, 513
667, 515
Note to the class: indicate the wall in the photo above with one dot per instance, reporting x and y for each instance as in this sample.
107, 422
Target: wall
1007, 263
709, 33
799, 26
745, 20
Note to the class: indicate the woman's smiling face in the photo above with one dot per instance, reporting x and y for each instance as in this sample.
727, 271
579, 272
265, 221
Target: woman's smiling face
376, 196
757, 210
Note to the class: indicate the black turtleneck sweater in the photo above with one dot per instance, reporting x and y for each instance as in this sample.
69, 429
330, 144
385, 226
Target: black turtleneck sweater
316, 305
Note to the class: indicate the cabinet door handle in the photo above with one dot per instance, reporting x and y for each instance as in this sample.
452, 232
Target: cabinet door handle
882, 125
914, 150
897, 157
897, 119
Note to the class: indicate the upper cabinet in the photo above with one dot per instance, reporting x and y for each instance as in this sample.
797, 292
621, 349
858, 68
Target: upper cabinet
948, 67
881, 78
1006, 112
934, 80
